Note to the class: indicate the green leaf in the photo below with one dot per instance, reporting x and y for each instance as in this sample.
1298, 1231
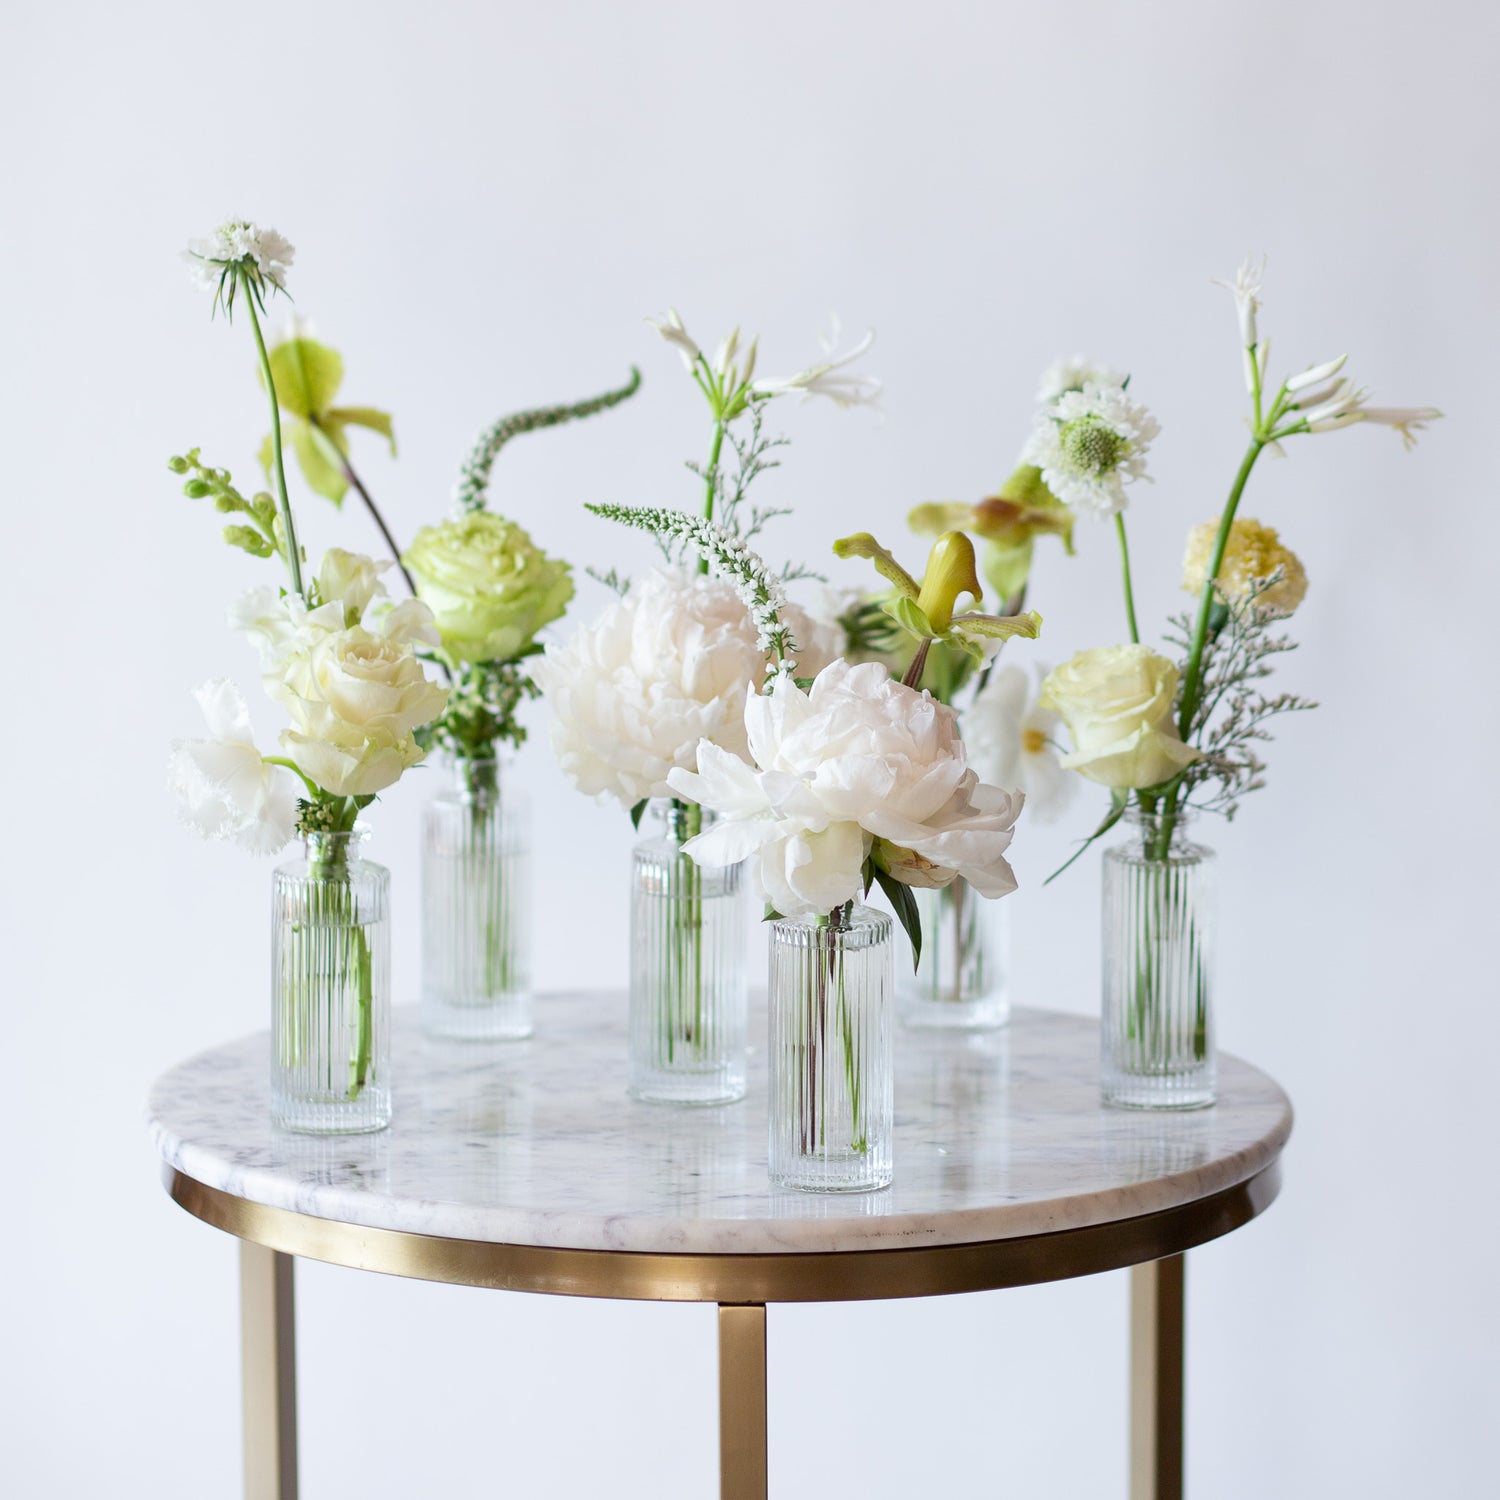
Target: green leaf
1119, 800
307, 375
908, 614
364, 416
904, 904
1007, 567
637, 812
772, 915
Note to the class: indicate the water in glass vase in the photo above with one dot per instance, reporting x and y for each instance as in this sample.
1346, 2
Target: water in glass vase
832, 1080
689, 992
331, 990
1157, 1036
476, 981
960, 979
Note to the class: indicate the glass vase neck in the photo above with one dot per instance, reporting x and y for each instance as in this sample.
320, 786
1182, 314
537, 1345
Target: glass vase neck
477, 777
682, 819
1156, 830
330, 849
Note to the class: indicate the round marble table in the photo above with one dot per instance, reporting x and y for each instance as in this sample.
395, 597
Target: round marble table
523, 1166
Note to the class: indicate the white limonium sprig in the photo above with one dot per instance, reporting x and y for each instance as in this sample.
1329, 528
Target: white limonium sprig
728, 558
239, 255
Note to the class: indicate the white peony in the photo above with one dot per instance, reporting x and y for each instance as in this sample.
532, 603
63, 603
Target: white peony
662, 669
1009, 735
224, 789
859, 765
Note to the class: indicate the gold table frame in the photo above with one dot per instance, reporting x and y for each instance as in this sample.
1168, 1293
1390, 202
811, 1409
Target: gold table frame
1152, 1245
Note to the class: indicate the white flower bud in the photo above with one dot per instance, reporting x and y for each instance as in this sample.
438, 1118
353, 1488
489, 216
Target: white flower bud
1316, 374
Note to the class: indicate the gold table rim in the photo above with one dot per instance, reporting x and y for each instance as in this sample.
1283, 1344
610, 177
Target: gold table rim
790, 1276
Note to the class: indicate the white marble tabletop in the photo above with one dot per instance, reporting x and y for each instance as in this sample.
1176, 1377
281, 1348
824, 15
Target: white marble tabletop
535, 1143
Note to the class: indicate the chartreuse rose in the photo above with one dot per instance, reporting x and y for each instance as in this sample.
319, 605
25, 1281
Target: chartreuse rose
489, 586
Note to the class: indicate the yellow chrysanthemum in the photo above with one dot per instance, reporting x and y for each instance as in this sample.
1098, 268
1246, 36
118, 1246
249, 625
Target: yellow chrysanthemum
1254, 551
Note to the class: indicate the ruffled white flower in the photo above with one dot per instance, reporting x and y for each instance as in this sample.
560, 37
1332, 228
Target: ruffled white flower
661, 670
859, 765
1089, 445
268, 254
224, 788
830, 377
1072, 375
669, 326
1010, 741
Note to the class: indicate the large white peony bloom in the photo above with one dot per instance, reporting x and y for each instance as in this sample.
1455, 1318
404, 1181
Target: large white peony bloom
662, 669
1009, 738
224, 789
859, 765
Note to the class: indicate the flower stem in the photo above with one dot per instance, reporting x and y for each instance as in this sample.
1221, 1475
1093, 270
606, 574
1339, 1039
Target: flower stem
283, 503
709, 475
354, 481
1135, 634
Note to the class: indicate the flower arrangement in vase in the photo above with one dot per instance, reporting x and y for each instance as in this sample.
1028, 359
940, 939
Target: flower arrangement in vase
1171, 738
342, 660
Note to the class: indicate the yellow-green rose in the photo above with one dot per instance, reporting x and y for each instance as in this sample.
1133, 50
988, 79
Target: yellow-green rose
490, 588
1117, 703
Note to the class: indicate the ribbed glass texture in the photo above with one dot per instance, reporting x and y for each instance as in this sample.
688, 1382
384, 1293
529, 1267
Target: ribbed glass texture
331, 990
1158, 948
689, 991
960, 980
476, 971
832, 1082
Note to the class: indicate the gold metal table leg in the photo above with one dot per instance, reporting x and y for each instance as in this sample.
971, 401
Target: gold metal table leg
742, 1402
1156, 1325
269, 1366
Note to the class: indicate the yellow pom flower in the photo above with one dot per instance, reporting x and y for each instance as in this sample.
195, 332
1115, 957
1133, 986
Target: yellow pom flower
1254, 551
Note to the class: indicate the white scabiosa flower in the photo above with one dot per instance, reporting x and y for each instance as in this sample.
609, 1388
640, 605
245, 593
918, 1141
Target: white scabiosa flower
1089, 445
859, 766
225, 790
634, 693
830, 377
1072, 375
1010, 741
266, 254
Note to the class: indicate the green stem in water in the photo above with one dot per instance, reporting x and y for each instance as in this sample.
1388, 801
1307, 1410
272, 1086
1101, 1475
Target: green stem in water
283, 503
1135, 634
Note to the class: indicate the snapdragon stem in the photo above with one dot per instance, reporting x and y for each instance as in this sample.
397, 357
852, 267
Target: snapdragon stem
708, 481
1135, 634
357, 485
283, 503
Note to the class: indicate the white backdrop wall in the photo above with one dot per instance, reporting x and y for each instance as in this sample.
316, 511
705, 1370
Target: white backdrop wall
486, 200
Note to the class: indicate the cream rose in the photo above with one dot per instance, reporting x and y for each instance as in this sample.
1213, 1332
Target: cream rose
354, 700
490, 588
1117, 703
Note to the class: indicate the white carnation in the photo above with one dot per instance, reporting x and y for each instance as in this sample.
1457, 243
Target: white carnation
662, 669
224, 789
858, 764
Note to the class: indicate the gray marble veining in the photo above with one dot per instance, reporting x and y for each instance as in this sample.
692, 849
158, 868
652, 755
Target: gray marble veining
535, 1143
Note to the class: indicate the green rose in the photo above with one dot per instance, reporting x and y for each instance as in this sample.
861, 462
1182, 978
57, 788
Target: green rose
490, 589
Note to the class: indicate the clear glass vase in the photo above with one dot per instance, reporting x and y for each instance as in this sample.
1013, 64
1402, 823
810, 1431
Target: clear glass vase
1157, 1035
476, 972
960, 979
331, 989
689, 990
832, 1080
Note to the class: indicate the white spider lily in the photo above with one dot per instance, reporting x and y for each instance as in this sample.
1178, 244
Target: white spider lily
669, 326
1407, 420
1246, 290
825, 379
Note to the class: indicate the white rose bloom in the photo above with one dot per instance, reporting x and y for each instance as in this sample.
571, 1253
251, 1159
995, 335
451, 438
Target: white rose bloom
858, 764
350, 579
1008, 736
224, 789
659, 671
354, 701
1117, 701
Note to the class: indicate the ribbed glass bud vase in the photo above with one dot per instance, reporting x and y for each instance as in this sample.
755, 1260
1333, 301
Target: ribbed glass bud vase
476, 979
331, 989
1158, 1021
960, 979
689, 991
832, 1080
